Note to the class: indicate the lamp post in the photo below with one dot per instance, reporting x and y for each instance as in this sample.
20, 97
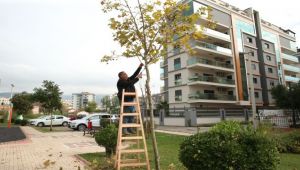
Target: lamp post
11, 107
252, 97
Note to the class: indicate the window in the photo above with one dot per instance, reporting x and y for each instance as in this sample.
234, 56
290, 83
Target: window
178, 95
230, 93
252, 53
267, 46
209, 91
176, 49
253, 66
272, 84
59, 117
177, 79
270, 70
105, 116
94, 117
255, 80
249, 40
177, 63
256, 94
268, 58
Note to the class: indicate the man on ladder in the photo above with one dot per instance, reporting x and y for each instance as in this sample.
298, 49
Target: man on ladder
130, 123
127, 83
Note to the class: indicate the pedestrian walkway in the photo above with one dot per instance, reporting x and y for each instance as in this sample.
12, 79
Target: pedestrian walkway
54, 150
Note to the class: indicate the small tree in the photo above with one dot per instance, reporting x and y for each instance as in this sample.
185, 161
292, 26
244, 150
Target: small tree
146, 30
22, 103
91, 107
107, 137
106, 103
288, 98
49, 96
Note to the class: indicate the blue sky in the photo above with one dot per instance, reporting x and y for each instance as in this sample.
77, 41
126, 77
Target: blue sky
63, 40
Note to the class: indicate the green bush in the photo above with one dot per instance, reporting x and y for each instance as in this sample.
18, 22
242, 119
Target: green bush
107, 137
229, 146
1, 120
289, 143
18, 122
24, 122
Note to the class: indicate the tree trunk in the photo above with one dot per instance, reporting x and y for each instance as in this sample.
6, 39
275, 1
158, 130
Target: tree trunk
294, 118
149, 98
51, 121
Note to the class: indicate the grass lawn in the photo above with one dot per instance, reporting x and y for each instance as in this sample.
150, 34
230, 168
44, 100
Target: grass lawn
168, 146
169, 150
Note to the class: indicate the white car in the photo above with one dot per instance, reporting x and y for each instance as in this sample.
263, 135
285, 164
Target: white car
46, 121
82, 124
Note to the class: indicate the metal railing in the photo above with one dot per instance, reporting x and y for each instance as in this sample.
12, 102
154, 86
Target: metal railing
213, 79
212, 47
211, 96
192, 61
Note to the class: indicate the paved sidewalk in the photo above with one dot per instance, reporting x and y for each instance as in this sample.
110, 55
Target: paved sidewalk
53, 150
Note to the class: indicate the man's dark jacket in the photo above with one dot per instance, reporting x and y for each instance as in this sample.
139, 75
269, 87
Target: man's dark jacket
128, 85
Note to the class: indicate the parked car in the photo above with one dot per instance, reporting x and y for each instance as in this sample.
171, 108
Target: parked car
46, 120
82, 124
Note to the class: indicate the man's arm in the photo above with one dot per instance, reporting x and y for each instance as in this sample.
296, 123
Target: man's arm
136, 72
125, 83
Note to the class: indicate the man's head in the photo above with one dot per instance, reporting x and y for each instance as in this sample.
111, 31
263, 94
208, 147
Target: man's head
123, 76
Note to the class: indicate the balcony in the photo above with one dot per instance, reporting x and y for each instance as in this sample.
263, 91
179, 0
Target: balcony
178, 82
212, 79
193, 61
217, 34
291, 68
290, 58
211, 96
212, 47
292, 79
178, 98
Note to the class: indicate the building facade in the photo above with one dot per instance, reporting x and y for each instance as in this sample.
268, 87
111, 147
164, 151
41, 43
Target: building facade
217, 75
80, 100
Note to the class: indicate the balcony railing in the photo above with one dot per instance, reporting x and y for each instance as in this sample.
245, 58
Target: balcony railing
178, 98
290, 57
178, 82
162, 89
209, 62
162, 75
177, 66
291, 68
293, 79
213, 79
217, 33
212, 47
211, 96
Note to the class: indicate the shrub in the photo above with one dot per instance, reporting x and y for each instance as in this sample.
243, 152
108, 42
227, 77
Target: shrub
229, 146
18, 122
1, 120
107, 137
290, 142
24, 122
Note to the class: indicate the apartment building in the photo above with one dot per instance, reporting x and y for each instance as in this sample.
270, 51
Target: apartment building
217, 75
80, 100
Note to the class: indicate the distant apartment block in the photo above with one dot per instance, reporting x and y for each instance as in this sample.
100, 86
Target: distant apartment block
217, 75
4, 101
80, 100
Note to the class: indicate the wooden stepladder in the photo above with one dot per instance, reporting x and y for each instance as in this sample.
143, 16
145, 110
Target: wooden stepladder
131, 156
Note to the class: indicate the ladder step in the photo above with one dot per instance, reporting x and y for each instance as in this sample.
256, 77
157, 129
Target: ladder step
132, 151
130, 114
132, 137
130, 125
133, 164
129, 160
130, 103
129, 94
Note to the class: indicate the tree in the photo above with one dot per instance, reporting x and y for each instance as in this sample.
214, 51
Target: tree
91, 107
22, 103
111, 104
288, 98
49, 96
106, 103
146, 30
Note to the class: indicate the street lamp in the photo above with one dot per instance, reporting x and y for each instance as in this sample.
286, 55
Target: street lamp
252, 97
11, 106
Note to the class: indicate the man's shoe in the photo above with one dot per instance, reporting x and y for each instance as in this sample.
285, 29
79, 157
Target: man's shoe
125, 132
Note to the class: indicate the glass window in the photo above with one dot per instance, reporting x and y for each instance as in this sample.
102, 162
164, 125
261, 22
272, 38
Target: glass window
178, 76
252, 53
59, 117
255, 80
249, 40
94, 117
268, 58
177, 63
256, 94
267, 46
270, 70
178, 95
209, 91
272, 84
176, 49
105, 116
253, 66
